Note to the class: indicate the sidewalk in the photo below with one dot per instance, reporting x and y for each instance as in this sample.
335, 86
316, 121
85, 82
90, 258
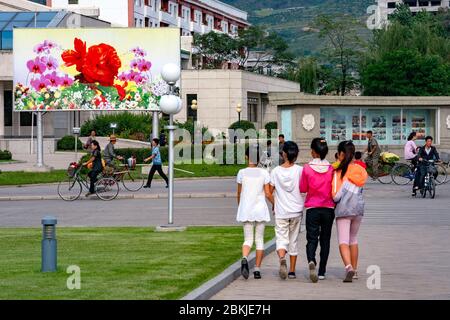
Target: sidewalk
58, 161
413, 261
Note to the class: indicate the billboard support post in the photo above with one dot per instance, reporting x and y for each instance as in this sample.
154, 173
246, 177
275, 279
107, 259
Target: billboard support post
40, 140
155, 125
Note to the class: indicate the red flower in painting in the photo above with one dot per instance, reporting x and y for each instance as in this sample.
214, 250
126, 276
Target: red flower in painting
77, 56
121, 90
100, 63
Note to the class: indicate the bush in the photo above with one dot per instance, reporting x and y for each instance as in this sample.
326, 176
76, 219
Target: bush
129, 125
68, 143
269, 127
243, 124
5, 155
189, 126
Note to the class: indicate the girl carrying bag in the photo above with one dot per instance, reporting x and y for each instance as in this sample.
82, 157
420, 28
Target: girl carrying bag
349, 200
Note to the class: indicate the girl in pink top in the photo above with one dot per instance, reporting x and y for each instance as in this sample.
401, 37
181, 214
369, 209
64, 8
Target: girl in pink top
316, 182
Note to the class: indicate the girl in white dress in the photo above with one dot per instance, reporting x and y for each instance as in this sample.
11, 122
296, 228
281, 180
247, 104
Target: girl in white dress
252, 191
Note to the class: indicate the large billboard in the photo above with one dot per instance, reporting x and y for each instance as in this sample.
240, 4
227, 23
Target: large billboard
92, 69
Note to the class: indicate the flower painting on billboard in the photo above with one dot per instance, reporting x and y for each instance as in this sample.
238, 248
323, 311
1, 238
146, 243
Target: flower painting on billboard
92, 75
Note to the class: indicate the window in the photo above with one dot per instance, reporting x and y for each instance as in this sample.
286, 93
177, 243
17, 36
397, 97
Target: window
8, 103
436, 3
390, 126
252, 109
411, 3
423, 3
391, 5
73, 1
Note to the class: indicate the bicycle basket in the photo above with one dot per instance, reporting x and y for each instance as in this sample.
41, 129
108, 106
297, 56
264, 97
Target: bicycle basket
432, 170
72, 169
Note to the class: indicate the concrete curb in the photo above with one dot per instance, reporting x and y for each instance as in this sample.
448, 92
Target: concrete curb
213, 286
156, 179
127, 196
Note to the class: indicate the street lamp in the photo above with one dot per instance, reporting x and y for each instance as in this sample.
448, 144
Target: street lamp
170, 104
113, 126
194, 108
239, 110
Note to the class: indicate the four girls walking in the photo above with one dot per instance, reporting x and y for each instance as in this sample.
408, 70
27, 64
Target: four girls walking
326, 192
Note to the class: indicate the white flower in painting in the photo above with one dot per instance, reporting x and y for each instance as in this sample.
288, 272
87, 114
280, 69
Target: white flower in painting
160, 88
78, 95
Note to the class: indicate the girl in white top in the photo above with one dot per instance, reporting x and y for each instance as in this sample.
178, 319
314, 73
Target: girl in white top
252, 191
289, 203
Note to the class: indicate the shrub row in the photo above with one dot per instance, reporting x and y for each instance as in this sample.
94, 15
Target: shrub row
5, 155
68, 143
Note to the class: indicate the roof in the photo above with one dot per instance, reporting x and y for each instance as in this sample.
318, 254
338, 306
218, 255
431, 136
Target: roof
289, 99
11, 20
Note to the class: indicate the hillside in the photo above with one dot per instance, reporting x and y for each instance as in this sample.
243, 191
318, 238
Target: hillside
290, 17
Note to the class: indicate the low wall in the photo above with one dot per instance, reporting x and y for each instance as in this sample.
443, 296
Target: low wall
23, 146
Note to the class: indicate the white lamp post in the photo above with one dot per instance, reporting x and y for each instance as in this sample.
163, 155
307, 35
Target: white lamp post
113, 126
194, 108
170, 104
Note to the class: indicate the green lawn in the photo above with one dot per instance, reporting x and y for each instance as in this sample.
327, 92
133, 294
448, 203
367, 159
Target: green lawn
23, 178
117, 263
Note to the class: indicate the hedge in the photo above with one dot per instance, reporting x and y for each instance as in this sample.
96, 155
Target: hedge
269, 127
5, 155
68, 143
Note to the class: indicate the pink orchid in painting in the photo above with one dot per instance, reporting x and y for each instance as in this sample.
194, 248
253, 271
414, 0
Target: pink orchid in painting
135, 63
138, 52
49, 44
123, 76
40, 83
66, 81
50, 62
36, 66
144, 66
54, 79
40, 48
139, 79
132, 75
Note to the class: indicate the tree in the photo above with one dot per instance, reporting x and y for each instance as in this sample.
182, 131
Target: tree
268, 47
306, 72
216, 48
410, 56
406, 72
343, 48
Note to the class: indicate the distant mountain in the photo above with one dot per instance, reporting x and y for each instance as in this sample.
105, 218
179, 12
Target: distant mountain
290, 18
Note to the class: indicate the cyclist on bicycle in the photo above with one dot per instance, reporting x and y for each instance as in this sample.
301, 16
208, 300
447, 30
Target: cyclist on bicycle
97, 168
373, 154
427, 152
109, 154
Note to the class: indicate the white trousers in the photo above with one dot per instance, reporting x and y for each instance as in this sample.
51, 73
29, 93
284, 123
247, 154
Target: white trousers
254, 232
287, 232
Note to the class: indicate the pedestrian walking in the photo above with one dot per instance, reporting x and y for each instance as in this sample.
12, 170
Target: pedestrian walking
348, 181
316, 183
373, 154
288, 208
253, 187
156, 164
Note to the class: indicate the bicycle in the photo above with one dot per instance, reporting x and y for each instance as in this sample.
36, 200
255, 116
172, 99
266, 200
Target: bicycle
384, 172
403, 174
132, 179
429, 184
106, 188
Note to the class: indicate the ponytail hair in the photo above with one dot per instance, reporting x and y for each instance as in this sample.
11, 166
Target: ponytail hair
348, 148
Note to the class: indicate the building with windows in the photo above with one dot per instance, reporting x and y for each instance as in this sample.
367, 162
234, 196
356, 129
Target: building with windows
304, 117
387, 7
191, 16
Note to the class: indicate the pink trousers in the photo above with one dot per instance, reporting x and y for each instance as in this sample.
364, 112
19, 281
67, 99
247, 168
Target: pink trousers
347, 229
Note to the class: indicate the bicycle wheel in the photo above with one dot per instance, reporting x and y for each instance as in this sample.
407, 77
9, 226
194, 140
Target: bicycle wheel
133, 180
401, 174
441, 174
384, 175
70, 189
107, 189
432, 188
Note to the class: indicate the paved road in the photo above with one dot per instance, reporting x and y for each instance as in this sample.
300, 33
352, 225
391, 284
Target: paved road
386, 204
407, 238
